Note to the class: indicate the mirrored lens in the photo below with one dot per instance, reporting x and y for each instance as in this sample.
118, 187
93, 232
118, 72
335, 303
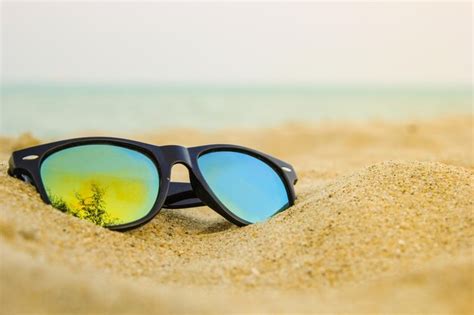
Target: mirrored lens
245, 185
106, 184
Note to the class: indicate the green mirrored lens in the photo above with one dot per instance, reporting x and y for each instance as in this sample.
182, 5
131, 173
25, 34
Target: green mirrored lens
106, 184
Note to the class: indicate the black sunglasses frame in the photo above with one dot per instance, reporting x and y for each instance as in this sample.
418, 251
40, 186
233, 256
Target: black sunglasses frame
25, 164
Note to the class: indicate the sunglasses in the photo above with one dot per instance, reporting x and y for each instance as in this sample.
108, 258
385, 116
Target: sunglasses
122, 184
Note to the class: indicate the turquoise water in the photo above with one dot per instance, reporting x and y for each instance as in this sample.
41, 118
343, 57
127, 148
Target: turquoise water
55, 110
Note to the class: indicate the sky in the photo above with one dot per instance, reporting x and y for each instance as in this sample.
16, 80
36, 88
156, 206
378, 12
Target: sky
237, 43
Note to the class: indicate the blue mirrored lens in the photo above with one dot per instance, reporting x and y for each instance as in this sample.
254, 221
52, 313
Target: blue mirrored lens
245, 185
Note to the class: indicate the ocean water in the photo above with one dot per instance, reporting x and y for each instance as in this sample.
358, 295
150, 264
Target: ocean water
56, 110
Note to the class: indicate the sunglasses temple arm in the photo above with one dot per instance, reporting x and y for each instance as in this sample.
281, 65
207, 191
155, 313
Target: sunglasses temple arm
181, 195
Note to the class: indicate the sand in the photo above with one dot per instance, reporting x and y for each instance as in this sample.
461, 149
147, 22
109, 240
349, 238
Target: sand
383, 223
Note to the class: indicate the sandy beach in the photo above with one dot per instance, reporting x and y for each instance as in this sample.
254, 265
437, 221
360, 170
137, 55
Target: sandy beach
383, 223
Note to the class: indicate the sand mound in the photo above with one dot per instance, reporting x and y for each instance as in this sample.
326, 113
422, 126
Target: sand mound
387, 219
384, 219
392, 236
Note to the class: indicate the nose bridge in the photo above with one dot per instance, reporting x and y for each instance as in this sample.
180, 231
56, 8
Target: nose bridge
176, 154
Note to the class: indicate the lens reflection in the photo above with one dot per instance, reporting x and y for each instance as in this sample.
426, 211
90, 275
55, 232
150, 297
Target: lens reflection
106, 184
247, 186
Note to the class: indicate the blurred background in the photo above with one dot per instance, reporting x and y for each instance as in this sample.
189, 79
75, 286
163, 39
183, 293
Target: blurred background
134, 67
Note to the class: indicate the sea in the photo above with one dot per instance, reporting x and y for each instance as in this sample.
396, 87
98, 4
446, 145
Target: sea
54, 110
